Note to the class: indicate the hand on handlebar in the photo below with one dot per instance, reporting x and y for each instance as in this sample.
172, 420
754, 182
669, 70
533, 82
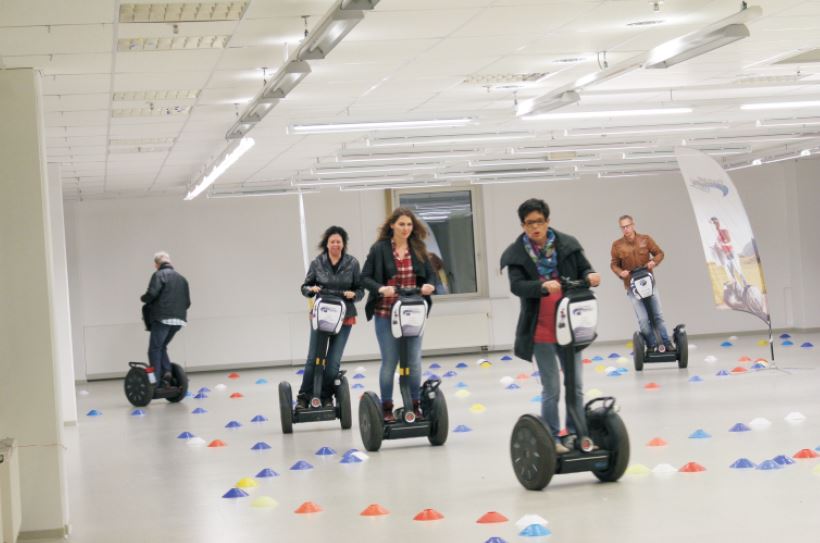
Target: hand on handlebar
315, 289
387, 291
650, 265
349, 294
624, 274
427, 289
552, 286
594, 279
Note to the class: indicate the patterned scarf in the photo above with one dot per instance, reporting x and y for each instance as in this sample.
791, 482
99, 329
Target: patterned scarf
545, 258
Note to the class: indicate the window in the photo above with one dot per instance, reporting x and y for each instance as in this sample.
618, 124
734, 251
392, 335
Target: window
450, 218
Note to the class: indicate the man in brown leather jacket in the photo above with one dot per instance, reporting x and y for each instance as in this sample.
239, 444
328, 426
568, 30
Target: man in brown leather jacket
633, 251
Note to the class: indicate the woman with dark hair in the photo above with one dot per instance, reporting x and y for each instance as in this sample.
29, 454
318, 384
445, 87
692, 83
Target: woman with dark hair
333, 269
398, 259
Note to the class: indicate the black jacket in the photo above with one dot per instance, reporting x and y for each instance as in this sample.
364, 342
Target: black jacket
167, 296
346, 277
380, 268
525, 283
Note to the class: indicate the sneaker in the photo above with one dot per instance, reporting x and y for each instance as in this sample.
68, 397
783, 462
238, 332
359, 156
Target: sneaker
301, 402
417, 408
669, 347
327, 403
387, 410
560, 448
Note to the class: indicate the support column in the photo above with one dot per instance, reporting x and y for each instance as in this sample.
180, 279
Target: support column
30, 396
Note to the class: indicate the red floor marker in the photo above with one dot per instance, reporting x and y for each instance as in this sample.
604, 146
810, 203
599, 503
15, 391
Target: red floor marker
739, 369
491, 517
522, 376
429, 514
237, 395
233, 375
656, 442
652, 386
308, 507
587, 361
217, 443
374, 510
744, 359
804, 454
692, 467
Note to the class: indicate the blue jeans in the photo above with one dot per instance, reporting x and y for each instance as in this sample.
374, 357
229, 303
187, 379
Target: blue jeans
161, 336
332, 364
547, 357
389, 348
643, 318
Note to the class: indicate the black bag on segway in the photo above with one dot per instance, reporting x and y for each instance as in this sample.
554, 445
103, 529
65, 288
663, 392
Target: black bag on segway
328, 314
408, 316
642, 283
576, 318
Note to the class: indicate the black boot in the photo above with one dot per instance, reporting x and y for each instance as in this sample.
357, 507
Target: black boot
417, 408
387, 409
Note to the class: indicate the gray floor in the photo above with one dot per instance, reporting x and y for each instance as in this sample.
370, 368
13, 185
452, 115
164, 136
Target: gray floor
132, 480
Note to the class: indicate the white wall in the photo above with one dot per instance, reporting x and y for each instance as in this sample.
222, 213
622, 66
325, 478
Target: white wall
243, 260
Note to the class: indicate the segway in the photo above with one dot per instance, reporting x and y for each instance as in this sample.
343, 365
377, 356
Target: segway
642, 284
141, 385
601, 442
326, 318
407, 319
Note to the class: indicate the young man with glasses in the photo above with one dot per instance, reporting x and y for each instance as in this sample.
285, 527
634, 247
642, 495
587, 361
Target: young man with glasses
535, 262
632, 251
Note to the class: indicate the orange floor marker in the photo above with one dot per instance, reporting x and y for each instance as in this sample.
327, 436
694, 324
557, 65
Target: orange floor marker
656, 442
744, 359
308, 507
692, 467
237, 395
217, 443
491, 517
374, 510
429, 514
739, 369
233, 375
652, 386
805, 453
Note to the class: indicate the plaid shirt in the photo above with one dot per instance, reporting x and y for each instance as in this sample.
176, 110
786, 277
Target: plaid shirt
404, 278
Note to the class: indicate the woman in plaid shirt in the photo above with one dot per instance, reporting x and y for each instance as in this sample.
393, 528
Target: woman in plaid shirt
398, 259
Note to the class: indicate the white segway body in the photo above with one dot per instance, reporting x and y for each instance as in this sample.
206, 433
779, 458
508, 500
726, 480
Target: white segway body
408, 316
328, 314
642, 284
576, 319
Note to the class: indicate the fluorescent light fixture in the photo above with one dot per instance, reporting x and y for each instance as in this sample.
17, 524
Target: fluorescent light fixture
545, 162
607, 74
446, 139
780, 105
546, 103
225, 160
610, 114
238, 130
494, 175
328, 33
645, 129
599, 147
358, 4
495, 180
751, 138
284, 191
343, 172
693, 45
414, 185
256, 112
791, 156
795, 121
667, 153
176, 43
356, 181
428, 156
285, 80
179, 12
364, 126
636, 173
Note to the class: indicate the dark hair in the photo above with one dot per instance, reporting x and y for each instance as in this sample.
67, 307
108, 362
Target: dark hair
417, 237
533, 204
330, 232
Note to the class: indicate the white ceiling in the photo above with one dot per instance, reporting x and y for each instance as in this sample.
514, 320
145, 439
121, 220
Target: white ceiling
408, 59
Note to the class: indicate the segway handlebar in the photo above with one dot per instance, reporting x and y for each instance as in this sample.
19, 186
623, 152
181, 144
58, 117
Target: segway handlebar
570, 284
330, 292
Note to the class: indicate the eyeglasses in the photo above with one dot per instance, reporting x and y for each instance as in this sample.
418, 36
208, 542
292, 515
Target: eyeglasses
627, 226
534, 224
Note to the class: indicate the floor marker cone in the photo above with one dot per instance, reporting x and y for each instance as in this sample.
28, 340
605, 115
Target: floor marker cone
185, 435
759, 423
199, 411
374, 510
807, 345
461, 384
357, 386
652, 386
462, 365
739, 427
664, 469
260, 446
804, 454
195, 442
692, 467
506, 380
762, 343
696, 379
600, 368
350, 459
739, 369
614, 355
462, 393
699, 434
593, 393
233, 424
528, 520
461, 428
233, 375
307, 508
449, 374
217, 443
137, 413
477, 408
784, 336
262, 381
235, 493
535, 530
94, 413
795, 417
657, 442
267, 472
638, 469
816, 469
784, 460
536, 399
246, 482
200, 396
300, 372
506, 358
360, 376
259, 418
586, 361
220, 386
512, 386
325, 451
435, 366
491, 517
787, 343
768, 465
264, 501
495, 539
710, 358
486, 364
743, 463
301, 465
722, 373
428, 514
726, 344
744, 359
236, 395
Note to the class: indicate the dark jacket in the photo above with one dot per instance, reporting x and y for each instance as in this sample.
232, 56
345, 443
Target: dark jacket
347, 277
380, 268
525, 283
167, 296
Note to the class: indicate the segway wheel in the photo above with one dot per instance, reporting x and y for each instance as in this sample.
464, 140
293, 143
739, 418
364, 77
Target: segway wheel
343, 404
439, 420
638, 350
371, 423
180, 380
608, 431
286, 407
138, 389
532, 452
682, 341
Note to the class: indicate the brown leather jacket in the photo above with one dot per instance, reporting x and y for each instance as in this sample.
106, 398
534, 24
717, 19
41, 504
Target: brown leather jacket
628, 255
